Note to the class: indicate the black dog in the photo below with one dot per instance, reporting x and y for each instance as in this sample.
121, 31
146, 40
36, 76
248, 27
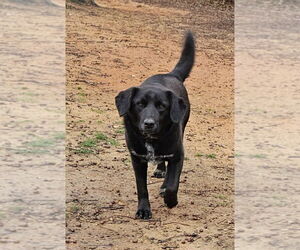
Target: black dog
155, 115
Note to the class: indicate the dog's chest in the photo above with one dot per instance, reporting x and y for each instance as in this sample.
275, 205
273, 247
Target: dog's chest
150, 153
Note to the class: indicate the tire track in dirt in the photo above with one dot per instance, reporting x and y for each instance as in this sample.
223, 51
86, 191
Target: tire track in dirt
109, 49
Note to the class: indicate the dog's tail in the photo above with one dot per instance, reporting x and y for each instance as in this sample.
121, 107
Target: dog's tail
187, 58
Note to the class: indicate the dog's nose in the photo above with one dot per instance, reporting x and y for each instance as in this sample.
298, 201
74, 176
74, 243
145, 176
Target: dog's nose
149, 123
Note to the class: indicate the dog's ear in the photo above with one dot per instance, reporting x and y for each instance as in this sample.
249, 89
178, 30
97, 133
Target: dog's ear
123, 100
177, 107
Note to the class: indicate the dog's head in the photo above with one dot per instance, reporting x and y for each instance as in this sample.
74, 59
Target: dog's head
151, 109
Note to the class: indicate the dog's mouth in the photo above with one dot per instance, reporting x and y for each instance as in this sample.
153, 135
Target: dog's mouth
150, 134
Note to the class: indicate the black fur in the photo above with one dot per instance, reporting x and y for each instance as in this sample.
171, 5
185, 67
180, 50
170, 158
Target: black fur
155, 115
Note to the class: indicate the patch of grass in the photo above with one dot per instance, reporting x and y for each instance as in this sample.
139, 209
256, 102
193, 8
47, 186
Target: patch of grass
211, 156
102, 137
208, 156
31, 151
98, 111
57, 111
186, 159
112, 142
17, 209
127, 161
83, 151
73, 208
258, 156
89, 143
238, 155
120, 131
30, 94
41, 145
222, 203
88, 146
79, 121
27, 99
82, 94
2, 215
220, 196
59, 135
81, 99
222, 200
24, 121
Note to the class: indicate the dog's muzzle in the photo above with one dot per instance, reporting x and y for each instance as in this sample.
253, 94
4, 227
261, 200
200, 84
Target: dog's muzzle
149, 126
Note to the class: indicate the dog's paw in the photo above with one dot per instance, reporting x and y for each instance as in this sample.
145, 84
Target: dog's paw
170, 198
162, 192
159, 173
144, 214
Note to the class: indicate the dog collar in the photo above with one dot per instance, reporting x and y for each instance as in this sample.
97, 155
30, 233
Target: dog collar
150, 156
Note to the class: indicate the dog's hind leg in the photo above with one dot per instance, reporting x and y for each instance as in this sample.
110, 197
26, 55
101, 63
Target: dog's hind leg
160, 171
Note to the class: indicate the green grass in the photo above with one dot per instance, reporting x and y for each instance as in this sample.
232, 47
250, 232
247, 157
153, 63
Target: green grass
73, 208
211, 156
83, 151
222, 200
220, 196
41, 145
120, 131
98, 111
258, 156
2, 215
112, 142
238, 155
31, 94
127, 161
89, 145
208, 156
17, 209
102, 137
82, 94
81, 99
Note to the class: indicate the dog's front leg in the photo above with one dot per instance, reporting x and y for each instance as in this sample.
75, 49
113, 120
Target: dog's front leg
140, 170
172, 181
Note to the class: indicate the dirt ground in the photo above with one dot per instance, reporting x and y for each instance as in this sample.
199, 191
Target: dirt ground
116, 46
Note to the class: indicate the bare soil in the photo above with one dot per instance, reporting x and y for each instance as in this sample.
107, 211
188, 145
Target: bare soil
116, 46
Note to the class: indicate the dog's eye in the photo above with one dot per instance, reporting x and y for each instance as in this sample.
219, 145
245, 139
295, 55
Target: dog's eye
161, 106
140, 104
